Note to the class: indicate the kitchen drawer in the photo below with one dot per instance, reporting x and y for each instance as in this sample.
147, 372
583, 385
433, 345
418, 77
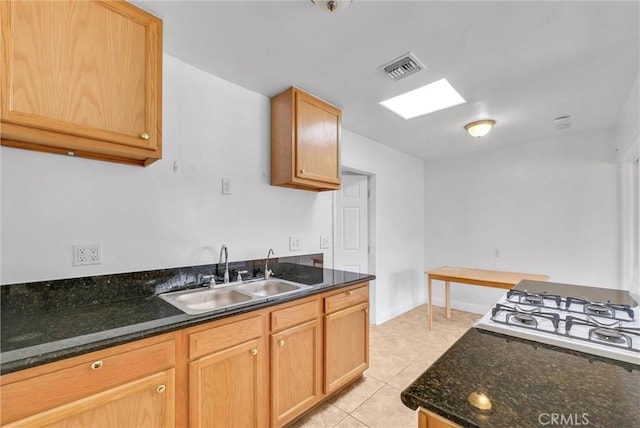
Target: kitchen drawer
345, 299
295, 315
222, 337
60, 386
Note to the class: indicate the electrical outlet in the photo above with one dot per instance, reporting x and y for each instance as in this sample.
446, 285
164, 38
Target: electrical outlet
294, 243
325, 242
87, 255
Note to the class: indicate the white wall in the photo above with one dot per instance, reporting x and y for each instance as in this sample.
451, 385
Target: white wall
149, 218
399, 218
152, 218
628, 150
548, 207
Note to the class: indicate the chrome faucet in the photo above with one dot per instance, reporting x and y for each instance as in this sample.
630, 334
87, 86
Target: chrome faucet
226, 263
267, 272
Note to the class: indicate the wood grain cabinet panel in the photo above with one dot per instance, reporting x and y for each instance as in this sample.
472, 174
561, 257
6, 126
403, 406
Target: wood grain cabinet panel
305, 142
427, 419
296, 370
93, 388
147, 402
226, 388
346, 346
82, 78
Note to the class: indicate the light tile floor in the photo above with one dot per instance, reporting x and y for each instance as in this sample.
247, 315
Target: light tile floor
399, 351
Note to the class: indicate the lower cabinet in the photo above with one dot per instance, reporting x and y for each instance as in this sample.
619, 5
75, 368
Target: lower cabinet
147, 402
427, 419
346, 345
226, 383
296, 376
296, 359
129, 385
262, 368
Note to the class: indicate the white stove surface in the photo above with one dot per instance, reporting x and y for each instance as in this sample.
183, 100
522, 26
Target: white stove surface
627, 349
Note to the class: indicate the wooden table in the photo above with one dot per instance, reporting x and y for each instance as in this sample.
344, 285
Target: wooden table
486, 278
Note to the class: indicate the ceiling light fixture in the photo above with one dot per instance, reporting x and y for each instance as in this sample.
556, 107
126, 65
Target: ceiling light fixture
426, 99
332, 5
479, 128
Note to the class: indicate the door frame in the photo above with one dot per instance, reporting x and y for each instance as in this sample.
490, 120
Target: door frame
371, 232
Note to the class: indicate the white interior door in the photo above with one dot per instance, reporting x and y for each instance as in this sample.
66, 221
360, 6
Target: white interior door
352, 228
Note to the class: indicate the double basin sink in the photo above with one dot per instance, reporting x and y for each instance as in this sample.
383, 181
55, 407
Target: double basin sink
211, 299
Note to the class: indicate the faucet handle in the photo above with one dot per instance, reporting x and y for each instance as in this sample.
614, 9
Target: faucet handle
240, 273
268, 274
210, 278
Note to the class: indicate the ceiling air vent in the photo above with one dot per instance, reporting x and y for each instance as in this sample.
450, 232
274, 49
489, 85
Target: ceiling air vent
403, 66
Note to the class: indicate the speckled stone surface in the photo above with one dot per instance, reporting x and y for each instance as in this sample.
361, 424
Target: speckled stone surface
529, 385
47, 321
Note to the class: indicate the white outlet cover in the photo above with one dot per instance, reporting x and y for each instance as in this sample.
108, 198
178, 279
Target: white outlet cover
87, 255
325, 242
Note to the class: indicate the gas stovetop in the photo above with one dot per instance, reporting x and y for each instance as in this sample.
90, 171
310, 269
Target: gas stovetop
606, 328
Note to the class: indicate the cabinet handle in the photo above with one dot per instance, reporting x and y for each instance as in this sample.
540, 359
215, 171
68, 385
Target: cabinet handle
302, 171
254, 352
349, 293
161, 388
96, 365
281, 342
144, 136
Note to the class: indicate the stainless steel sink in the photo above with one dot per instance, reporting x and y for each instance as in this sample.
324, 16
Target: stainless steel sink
200, 301
270, 287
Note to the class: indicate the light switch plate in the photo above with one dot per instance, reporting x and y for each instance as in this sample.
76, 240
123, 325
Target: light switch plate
226, 186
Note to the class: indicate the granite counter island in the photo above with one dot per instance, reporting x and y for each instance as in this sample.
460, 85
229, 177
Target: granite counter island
528, 383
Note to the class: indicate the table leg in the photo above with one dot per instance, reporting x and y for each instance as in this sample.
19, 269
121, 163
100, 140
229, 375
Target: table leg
430, 307
447, 298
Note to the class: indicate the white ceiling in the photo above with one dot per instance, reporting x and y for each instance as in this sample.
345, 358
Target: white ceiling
519, 63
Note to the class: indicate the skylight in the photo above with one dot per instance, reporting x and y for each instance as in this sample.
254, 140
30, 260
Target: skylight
435, 96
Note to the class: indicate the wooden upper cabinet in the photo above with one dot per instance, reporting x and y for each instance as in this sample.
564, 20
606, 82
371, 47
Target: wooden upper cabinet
305, 142
82, 78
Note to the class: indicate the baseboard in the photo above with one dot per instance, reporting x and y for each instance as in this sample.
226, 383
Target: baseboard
394, 312
455, 304
464, 306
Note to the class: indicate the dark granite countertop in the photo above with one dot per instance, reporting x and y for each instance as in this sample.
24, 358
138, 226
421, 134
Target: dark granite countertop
528, 384
48, 321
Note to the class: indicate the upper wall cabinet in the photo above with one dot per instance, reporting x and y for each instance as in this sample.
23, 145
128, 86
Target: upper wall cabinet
82, 78
305, 142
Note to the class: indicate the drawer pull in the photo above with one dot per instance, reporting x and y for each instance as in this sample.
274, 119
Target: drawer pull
349, 293
96, 365
144, 136
281, 342
161, 388
254, 352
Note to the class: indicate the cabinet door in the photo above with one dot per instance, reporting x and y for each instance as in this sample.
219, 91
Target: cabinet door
147, 402
88, 69
296, 370
427, 419
226, 387
346, 346
317, 136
